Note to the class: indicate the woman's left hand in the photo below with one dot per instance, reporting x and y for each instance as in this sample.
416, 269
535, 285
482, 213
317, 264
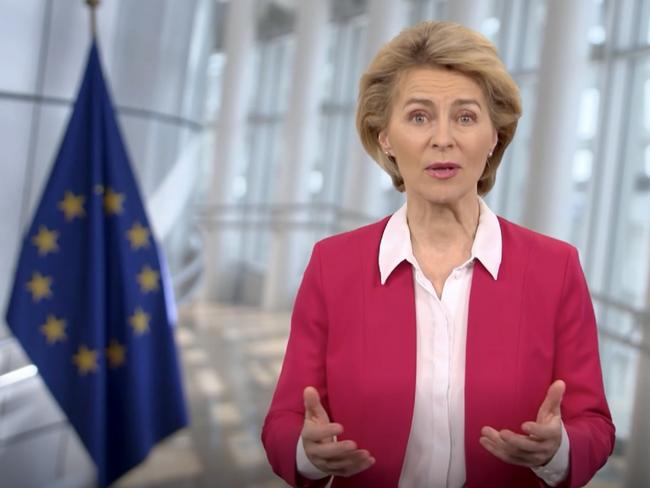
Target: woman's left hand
543, 439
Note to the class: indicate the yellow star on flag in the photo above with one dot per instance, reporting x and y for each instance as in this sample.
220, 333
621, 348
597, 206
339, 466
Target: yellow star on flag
139, 321
39, 286
138, 236
148, 279
113, 202
45, 240
54, 329
85, 360
72, 206
116, 354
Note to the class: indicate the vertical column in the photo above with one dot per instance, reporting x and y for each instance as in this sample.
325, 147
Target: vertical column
222, 244
469, 13
561, 77
300, 144
363, 185
638, 468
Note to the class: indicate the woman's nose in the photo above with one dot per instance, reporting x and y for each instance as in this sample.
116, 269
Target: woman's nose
441, 137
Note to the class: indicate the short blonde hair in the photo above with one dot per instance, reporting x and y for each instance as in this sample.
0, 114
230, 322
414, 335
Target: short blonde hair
437, 45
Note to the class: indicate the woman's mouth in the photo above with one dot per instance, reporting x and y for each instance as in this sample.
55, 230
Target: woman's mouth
442, 170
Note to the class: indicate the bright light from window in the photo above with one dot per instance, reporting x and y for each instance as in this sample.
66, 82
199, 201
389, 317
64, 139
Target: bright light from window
597, 34
582, 163
315, 181
646, 166
646, 105
490, 26
588, 118
239, 187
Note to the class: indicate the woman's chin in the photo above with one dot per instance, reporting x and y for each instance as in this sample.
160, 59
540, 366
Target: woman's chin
442, 196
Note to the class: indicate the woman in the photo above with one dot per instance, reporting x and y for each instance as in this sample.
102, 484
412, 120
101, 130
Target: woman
442, 346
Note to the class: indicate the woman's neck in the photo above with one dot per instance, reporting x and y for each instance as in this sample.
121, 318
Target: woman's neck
440, 227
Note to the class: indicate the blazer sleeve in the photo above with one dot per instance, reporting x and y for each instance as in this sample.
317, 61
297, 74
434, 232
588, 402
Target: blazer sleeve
585, 412
304, 365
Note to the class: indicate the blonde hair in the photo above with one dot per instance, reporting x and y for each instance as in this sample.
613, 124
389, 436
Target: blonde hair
437, 45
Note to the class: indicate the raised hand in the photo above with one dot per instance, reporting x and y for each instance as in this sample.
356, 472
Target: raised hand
543, 436
321, 445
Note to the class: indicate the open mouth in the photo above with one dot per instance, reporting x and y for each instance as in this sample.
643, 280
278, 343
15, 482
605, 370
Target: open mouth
442, 171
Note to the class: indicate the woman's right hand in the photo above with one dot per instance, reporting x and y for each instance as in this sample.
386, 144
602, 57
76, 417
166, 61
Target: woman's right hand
320, 443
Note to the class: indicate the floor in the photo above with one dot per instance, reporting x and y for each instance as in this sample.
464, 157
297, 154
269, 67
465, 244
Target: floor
231, 358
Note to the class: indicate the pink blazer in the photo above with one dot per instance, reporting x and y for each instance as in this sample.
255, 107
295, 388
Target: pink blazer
354, 340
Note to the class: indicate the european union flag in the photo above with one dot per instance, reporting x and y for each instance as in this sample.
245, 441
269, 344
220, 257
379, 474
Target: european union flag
88, 303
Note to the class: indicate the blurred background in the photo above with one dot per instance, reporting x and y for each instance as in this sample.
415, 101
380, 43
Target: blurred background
239, 119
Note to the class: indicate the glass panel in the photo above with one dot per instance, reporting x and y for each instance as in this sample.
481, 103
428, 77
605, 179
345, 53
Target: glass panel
265, 136
533, 34
644, 37
21, 25
583, 161
626, 22
156, 39
163, 149
67, 49
513, 171
15, 122
632, 255
619, 375
597, 33
491, 25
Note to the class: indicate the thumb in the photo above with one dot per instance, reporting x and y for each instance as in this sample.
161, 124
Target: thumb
313, 408
551, 405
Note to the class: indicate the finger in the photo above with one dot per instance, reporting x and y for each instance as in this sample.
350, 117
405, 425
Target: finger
313, 408
334, 451
551, 405
533, 452
351, 460
522, 443
492, 434
542, 431
360, 463
317, 432
500, 453
495, 439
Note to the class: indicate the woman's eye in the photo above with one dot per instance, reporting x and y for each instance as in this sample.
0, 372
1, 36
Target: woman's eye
466, 118
419, 118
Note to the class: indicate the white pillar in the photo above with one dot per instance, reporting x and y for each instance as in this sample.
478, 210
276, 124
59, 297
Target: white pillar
563, 64
222, 243
363, 184
300, 144
469, 13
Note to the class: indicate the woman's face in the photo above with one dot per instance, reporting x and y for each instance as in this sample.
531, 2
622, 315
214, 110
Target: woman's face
440, 134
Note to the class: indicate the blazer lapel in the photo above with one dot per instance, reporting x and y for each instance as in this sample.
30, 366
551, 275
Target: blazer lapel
492, 356
389, 365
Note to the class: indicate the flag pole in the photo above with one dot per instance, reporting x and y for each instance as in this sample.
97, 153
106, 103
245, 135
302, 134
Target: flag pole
93, 18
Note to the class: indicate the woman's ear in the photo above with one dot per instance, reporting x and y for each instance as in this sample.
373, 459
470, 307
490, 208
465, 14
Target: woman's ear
382, 138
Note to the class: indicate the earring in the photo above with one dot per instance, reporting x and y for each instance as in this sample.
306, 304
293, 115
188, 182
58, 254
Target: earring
490, 153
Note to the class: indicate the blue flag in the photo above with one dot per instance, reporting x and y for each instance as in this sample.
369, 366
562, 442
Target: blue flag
88, 301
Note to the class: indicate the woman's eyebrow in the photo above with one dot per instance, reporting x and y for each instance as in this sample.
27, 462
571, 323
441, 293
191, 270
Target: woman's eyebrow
429, 103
